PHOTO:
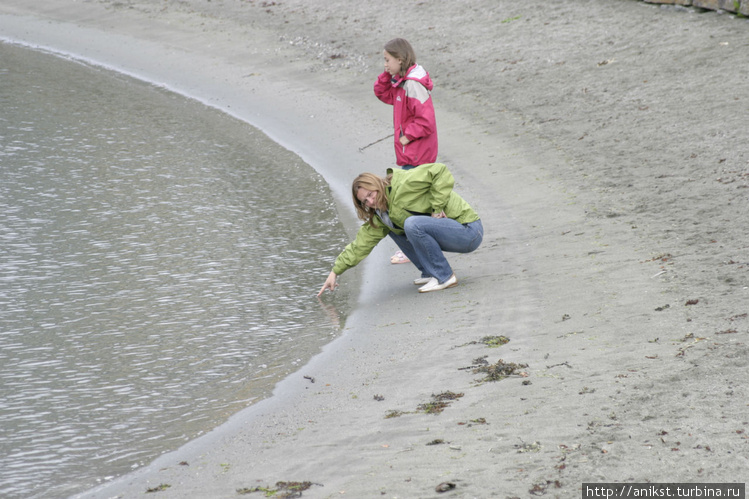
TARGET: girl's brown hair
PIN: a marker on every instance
(370, 182)
(403, 51)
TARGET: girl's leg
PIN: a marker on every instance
(429, 237)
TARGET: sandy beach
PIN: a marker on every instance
(604, 146)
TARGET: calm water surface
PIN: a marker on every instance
(158, 268)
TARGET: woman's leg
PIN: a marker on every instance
(408, 250)
(401, 256)
(430, 237)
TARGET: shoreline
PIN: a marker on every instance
(589, 263)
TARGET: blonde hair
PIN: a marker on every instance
(370, 182)
(403, 51)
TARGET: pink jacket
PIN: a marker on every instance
(413, 114)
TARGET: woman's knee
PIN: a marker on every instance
(411, 224)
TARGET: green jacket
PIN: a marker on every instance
(423, 190)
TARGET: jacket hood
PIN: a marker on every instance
(417, 73)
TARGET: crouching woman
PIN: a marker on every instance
(420, 211)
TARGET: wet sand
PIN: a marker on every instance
(603, 145)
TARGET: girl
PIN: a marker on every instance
(420, 211)
(407, 87)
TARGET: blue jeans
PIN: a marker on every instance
(427, 238)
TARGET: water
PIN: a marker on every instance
(158, 266)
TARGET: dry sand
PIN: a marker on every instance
(604, 146)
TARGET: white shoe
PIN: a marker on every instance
(422, 280)
(434, 285)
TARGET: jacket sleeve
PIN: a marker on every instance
(432, 184)
(383, 88)
(420, 106)
(356, 251)
(442, 185)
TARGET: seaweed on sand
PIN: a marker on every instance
(439, 402)
(283, 490)
(436, 406)
(500, 370)
(490, 341)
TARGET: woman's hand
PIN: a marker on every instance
(439, 215)
(330, 283)
(404, 140)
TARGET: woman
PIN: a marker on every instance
(420, 211)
